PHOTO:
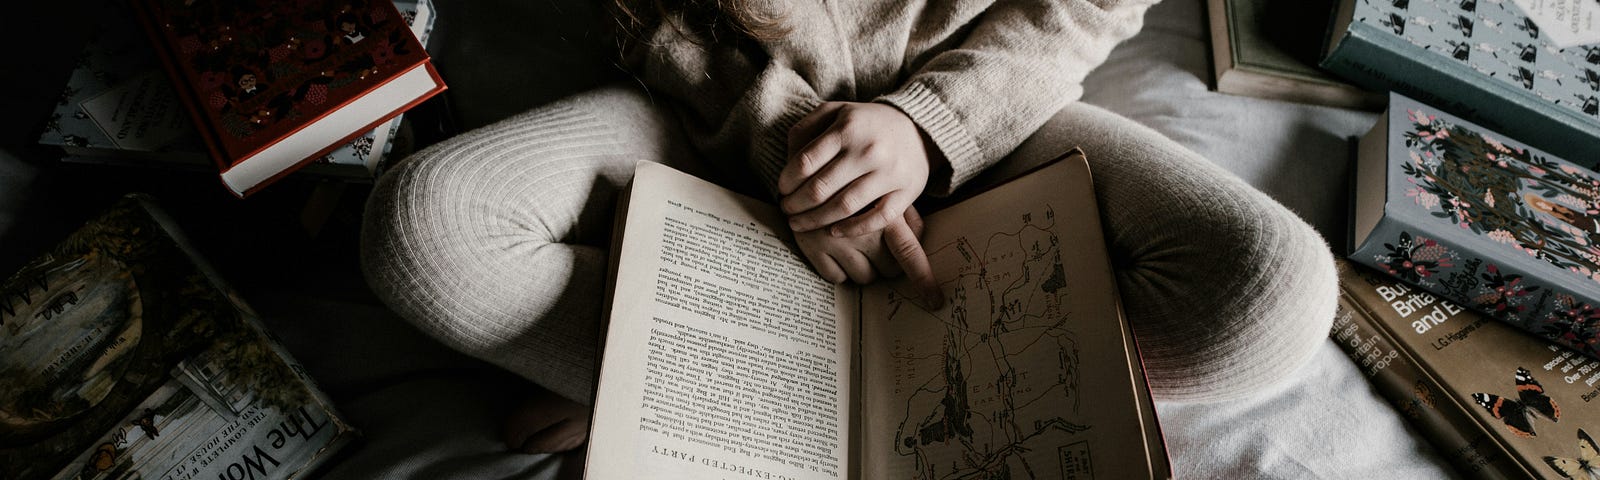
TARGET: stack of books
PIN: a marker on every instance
(290, 94)
(1474, 278)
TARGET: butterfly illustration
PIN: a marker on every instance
(1585, 467)
(1518, 414)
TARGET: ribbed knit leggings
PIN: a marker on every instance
(495, 242)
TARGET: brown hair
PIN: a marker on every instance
(718, 20)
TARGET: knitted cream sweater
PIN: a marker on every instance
(978, 76)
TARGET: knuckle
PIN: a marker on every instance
(808, 160)
(851, 202)
(904, 248)
(885, 216)
(818, 190)
(848, 120)
(870, 151)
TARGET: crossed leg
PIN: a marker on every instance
(495, 242)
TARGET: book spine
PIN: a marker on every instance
(1400, 378)
(169, 63)
(1422, 257)
(1378, 60)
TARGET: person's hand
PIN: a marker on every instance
(886, 253)
(845, 157)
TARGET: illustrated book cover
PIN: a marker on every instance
(726, 356)
(272, 86)
(1482, 220)
(1494, 401)
(123, 355)
(1270, 49)
(118, 107)
(1485, 61)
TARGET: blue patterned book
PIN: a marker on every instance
(1482, 60)
(1481, 219)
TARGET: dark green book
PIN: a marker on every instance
(1483, 61)
(1269, 50)
(122, 355)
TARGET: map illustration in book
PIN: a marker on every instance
(123, 356)
(1483, 220)
(726, 355)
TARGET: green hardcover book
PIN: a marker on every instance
(122, 355)
(1483, 61)
(1261, 49)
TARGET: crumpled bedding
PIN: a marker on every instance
(430, 413)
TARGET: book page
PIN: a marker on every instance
(1025, 372)
(726, 356)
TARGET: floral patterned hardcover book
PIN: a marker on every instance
(118, 108)
(1482, 220)
(123, 355)
(272, 86)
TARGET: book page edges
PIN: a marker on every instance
(612, 264)
(1371, 190)
(1339, 26)
(1156, 451)
(315, 139)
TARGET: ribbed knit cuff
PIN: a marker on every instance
(936, 119)
(769, 152)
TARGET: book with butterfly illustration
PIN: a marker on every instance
(124, 356)
(1494, 401)
(1481, 219)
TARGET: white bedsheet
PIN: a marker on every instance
(1327, 422)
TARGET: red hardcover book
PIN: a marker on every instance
(273, 85)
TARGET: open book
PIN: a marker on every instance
(727, 357)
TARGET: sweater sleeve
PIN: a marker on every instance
(1023, 61)
(735, 102)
